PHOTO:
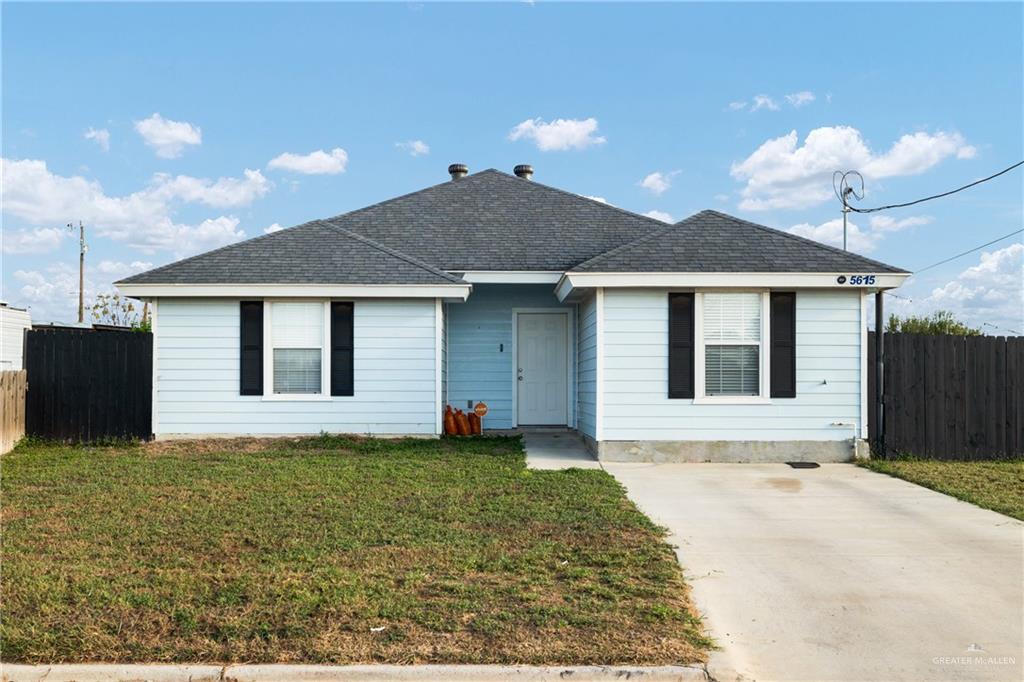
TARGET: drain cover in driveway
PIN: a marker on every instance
(803, 465)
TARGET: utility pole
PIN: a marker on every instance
(846, 212)
(82, 248)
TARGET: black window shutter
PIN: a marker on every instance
(341, 349)
(251, 335)
(783, 344)
(680, 345)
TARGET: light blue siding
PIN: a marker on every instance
(480, 361)
(198, 363)
(586, 380)
(828, 373)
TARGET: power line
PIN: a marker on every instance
(935, 196)
(976, 248)
(1005, 329)
(902, 298)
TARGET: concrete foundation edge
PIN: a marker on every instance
(727, 451)
(346, 673)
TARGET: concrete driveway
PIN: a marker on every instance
(839, 573)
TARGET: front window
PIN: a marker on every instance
(732, 344)
(296, 339)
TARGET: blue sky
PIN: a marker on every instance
(172, 129)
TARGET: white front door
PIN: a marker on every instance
(541, 345)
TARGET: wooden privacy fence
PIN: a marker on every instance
(89, 385)
(950, 397)
(12, 408)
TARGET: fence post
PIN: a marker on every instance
(879, 367)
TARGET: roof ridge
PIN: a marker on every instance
(160, 268)
(392, 252)
(790, 235)
(596, 260)
(559, 190)
(495, 171)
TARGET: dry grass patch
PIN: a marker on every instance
(331, 550)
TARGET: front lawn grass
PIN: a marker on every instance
(330, 550)
(997, 485)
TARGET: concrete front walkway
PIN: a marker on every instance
(839, 573)
(556, 449)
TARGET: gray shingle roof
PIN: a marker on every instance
(313, 253)
(494, 221)
(710, 241)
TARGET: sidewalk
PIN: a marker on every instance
(343, 673)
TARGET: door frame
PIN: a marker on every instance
(570, 366)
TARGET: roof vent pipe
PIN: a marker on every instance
(458, 170)
(524, 171)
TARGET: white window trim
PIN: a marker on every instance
(764, 364)
(268, 356)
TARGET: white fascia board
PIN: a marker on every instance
(563, 288)
(511, 276)
(730, 280)
(459, 292)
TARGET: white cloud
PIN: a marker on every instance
(168, 137)
(222, 193)
(186, 240)
(559, 135)
(414, 147)
(831, 233)
(783, 174)
(52, 293)
(798, 99)
(967, 152)
(118, 270)
(39, 240)
(884, 223)
(758, 102)
(657, 182)
(858, 240)
(143, 219)
(601, 199)
(276, 227)
(314, 163)
(660, 215)
(722, 197)
(991, 291)
(100, 137)
(764, 102)
(916, 153)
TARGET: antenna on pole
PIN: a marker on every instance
(844, 189)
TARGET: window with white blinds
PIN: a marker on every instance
(297, 340)
(732, 344)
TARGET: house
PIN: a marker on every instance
(714, 338)
(13, 323)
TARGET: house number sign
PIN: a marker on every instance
(856, 280)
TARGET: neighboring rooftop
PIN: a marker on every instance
(710, 241)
